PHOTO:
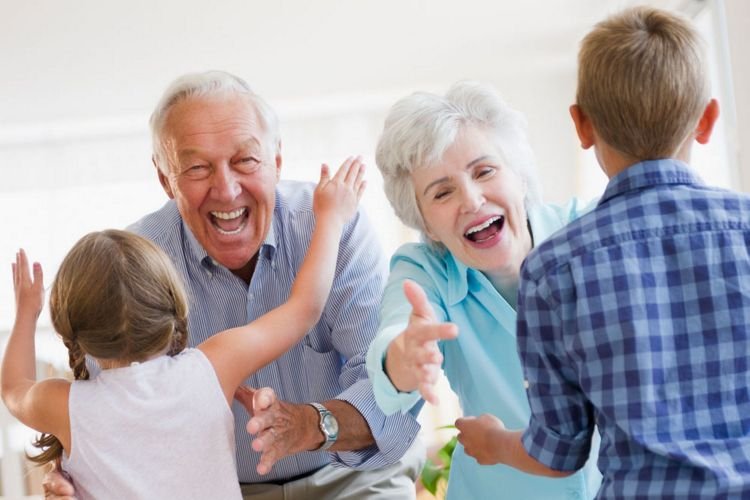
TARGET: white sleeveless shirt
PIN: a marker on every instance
(154, 430)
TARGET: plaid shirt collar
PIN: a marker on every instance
(649, 173)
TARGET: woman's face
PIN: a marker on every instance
(474, 205)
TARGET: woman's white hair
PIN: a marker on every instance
(208, 84)
(421, 127)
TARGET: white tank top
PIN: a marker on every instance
(154, 430)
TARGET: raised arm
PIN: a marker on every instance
(40, 405)
(240, 351)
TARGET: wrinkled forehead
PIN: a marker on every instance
(194, 116)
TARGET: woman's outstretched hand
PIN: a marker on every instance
(414, 360)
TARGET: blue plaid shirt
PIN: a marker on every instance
(636, 318)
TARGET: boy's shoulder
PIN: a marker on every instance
(564, 244)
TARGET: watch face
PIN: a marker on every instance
(331, 425)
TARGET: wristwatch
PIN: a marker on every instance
(328, 424)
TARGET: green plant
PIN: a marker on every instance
(435, 473)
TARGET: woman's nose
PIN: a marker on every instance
(472, 199)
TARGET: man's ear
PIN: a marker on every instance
(584, 129)
(707, 122)
(278, 161)
(163, 179)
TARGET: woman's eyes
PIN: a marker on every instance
(484, 172)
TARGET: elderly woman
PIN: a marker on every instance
(460, 170)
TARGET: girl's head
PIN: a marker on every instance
(117, 297)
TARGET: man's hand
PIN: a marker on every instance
(282, 428)
(57, 486)
(481, 437)
(414, 360)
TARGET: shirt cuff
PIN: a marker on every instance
(389, 399)
(393, 434)
(558, 452)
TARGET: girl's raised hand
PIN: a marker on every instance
(338, 196)
(28, 286)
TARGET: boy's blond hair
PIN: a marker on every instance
(642, 82)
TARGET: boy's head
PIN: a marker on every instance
(642, 84)
(117, 297)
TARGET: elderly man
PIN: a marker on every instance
(238, 235)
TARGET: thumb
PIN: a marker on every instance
(418, 299)
(244, 395)
(264, 398)
(325, 174)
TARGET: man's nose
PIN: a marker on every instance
(226, 185)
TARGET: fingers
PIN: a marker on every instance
(38, 275)
(325, 174)
(244, 395)
(268, 458)
(429, 394)
(418, 299)
(22, 268)
(343, 172)
(463, 422)
(264, 398)
(264, 416)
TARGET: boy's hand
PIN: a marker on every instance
(338, 196)
(481, 437)
(29, 291)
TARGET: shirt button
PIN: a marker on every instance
(252, 296)
(526, 384)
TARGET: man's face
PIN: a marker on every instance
(222, 173)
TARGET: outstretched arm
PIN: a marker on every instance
(240, 351)
(40, 405)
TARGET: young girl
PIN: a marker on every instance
(118, 299)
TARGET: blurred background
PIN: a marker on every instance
(80, 78)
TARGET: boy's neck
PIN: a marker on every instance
(612, 162)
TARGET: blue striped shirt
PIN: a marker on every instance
(329, 363)
(636, 318)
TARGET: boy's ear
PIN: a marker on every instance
(584, 129)
(707, 122)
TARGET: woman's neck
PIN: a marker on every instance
(506, 285)
(506, 280)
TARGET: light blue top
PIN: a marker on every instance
(482, 364)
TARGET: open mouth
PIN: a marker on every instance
(486, 230)
(229, 223)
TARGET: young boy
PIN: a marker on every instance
(636, 317)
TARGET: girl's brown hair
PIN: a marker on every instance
(117, 297)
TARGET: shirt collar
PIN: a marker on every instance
(649, 173)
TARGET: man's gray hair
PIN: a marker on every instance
(209, 84)
(421, 127)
